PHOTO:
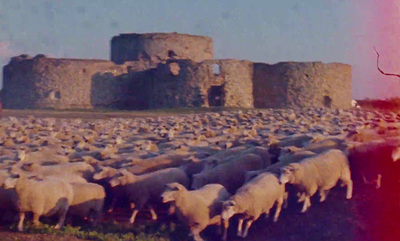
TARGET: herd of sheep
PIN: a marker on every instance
(204, 168)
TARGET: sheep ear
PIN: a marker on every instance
(10, 183)
(289, 149)
(175, 186)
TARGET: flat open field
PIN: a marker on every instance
(372, 214)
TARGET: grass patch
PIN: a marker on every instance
(114, 231)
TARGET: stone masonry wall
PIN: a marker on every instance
(156, 47)
(65, 83)
(302, 85)
(185, 83)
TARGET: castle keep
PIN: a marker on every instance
(170, 70)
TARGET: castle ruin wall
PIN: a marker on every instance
(186, 83)
(65, 83)
(157, 47)
(302, 85)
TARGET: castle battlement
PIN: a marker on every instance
(170, 70)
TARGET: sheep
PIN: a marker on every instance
(299, 141)
(194, 165)
(77, 168)
(222, 157)
(325, 145)
(375, 162)
(157, 163)
(355, 104)
(253, 199)
(42, 197)
(7, 197)
(285, 158)
(196, 209)
(30, 169)
(103, 177)
(320, 172)
(88, 199)
(146, 188)
(231, 174)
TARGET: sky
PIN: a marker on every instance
(342, 31)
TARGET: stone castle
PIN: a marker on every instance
(170, 70)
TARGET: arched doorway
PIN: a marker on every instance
(216, 95)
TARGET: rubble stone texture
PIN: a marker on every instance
(170, 70)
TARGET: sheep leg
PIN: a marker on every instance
(349, 193)
(133, 217)
(301, 197)
(21, 221)
(323, 194)
(62, 219)
(266, 215)
(171, 209)
(246, 229)
(378, 181)
(306, 204)
(196, 235)
(285, 200)
(36, 221)
(113, 201)
(96, 215)
(278, 209)
(153, 213)
(346, 178)
(239, 228)
(365, 180)
(225, 235)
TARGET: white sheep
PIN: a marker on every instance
(253, 199)
(196, 209)
(231, 174)
(143, 189)
(354, 104)
(88, 200)
(68, 177)
(77, 168)
(320, 172)
(288, 155)
(42, 197)
(324, 145)
(158, 163)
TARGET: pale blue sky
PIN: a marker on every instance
(258, 30)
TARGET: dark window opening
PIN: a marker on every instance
(55, 95)
(216, 70)
(171, 54)
(327, 101)
(216, 96)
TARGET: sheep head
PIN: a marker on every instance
(228, 209)
(288, 173)
(105, 172)
(12, 180)
(171, 192)
(124, 178)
